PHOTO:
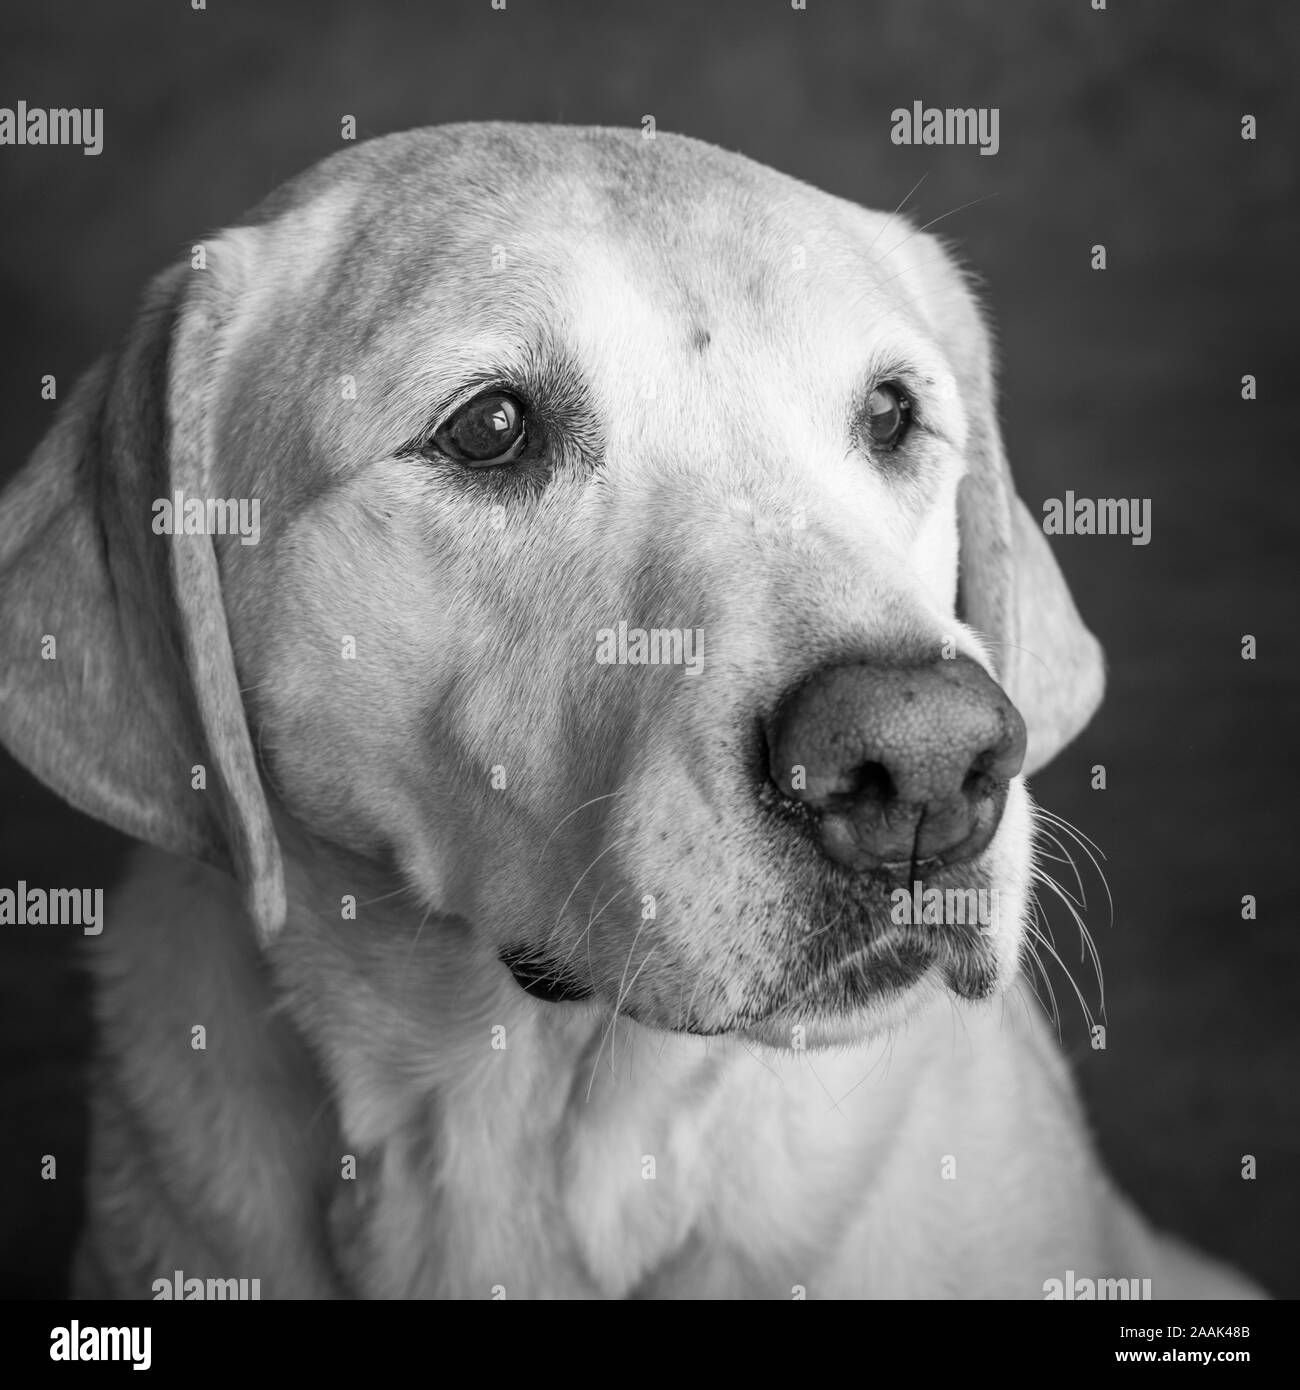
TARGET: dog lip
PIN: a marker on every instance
(842, 985)
(909, 867)
(871, 973)
(542, 977)
(894, 963)
(918, 945)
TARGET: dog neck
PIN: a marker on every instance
(498, 1146)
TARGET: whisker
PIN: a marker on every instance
(605, 797)
(1018, 990)
(592, 918)
(618, 1004)
(614, 844)
(1069, 975)
(835, 1105)
(690, 1003)
(1088, 847)
(894, 214)
(1054, 1013)
(1086, 935)
(415, 940)
(384, 897)
(952, 212)
(1041, 830)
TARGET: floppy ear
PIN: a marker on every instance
(116, 671)
(1010, 587)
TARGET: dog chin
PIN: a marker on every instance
(870, 992)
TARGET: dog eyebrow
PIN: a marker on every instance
(540, 371)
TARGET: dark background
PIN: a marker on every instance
(1120, 127)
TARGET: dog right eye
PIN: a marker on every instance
(889, 414)
(488, 431)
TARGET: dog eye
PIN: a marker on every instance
(488, 431)
(889, 413)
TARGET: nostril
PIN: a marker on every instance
(981, 781)
(894, 759)
(868, 782)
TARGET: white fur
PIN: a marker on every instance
(477, 782)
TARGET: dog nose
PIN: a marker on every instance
(901, 765)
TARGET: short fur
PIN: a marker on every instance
(700, 327)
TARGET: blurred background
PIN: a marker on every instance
(1119, 127)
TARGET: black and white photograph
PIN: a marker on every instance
(647, 653)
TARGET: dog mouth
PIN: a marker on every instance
(887, 937)
(890, 939)
(962, 957)
(869, 975)
(543, 977)
(896, 923)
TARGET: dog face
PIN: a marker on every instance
(619, 499)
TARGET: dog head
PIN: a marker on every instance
(637, 572)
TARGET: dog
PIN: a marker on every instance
(560, 802)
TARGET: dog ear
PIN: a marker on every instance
(1010, 588)
(118, 678)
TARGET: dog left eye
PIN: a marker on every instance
(488, 431)
(889, 413)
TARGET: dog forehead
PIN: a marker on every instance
(421, 260)
(549, 218)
